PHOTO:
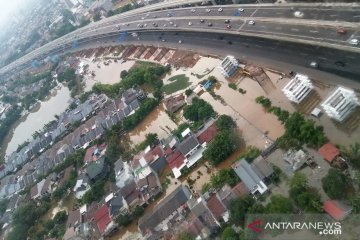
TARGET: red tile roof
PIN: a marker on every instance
(176, 159)
(215, 206)
(332, 208)
(240, 189)
(168, 151)
(150, 156)
(208, 134)
(329, 152)
(102, 218)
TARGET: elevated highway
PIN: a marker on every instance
(316, 26)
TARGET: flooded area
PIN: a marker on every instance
(108, 73)
(156, 122)
(35, 121)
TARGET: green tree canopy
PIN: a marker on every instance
(225, 122)
(279, 204)
(352, 153)
(199, 110)
(222, 146)
(238, 208)
(224, 176)
(229, 234)
(335, 184)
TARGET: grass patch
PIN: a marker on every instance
(178, 82)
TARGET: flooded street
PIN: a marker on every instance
(106, 74)
(35, 121)
(156, 122)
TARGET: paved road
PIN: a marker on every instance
(264, 25)
(275, 54)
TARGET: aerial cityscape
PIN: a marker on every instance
(180, 119)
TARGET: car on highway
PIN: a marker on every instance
(171, 23)
(228, 26)
(180, 41)
(145, 25)
(227, 21)
(175, 25)
(314, 64)
(298, 14)
(155, 24)
(210, 24)
(354, 41)
(202, 20)
(341, 31)
(220, 10)
(208, 10)
(190, 23)
(163, 40)
(240, 9)
(251, 22)
(192, 10)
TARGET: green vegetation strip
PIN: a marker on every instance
(178, 82)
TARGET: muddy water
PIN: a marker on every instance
(156, 122)
(35, 121)
(106, 74)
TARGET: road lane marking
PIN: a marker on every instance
(278, 28)
(334, 15)
(313, 31)
(357, 16)
(295, 29)
(304, 54)
(322, 58)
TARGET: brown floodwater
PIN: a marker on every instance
(156, 122)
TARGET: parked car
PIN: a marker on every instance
(208, 10)
(210, 24)
(354, 41)
(190, 23)
(180, 41)
(341, 30)
(240, 9)
(314, 64)
(220, 10)
(251, 22)
(227, 21)
(202, 20)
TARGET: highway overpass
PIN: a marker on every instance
(316, 26)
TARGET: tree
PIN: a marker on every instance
(238, 209)
(123, 220)
(335, 184)
(199, 110)
(97, 17)
(225, 122)
(60, 217)
(188, 92)
(123, 74)
(352, 153)
(224, 176)
(185, 236)
(229, 234)
(138, 211)
(279, 204)
(304, 197)
(3, 204)
(221, 147)
(265, 102)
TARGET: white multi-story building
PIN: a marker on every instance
(341, 103)
(229, 66)
(298, 88)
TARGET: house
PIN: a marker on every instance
(123, 173)
(158, 219)
(341, 103)
(131, 194)
(41, 188)
(329, 152)
(298, 88)
(96, 170)
(296, 159)
(150, 186)
(174, 103)
(207, 134)
(200, 210)
(336, 209)
(251, 177)
(74, 219)
(94, 153)
(154, 157)
(229, 66)
(82, 186)
(217, 208)
(117, 204)
(103, 220)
